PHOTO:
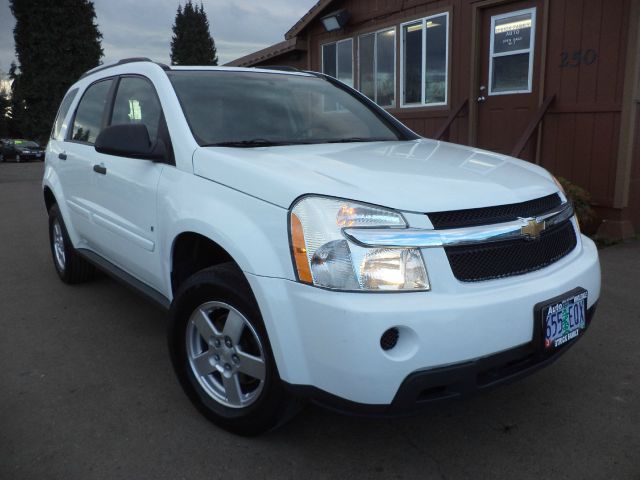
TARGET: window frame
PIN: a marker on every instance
(336, 43)
(73, 93)
(423, 21)
(375, 33)
(531, 50)
(106, 113)
(112, 100)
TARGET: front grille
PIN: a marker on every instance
(488, 215)
(474, 263)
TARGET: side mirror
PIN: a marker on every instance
(129, 140)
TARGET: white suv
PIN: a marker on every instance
(310, 246)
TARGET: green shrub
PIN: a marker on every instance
(581, 202)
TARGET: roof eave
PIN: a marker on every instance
(307, 18)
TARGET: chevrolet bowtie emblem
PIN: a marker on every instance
(532, 229)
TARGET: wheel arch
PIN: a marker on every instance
(191, 252)
(49, 198)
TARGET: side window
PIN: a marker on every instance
(62, 114)
(137, 102)
(88, 120)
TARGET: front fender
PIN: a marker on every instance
(252, 231)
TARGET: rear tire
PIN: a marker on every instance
(221, 353)
(70, 266)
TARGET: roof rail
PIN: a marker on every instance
(284, 68)
(99, 68)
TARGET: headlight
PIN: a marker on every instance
(325, 258)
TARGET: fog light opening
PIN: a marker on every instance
(389, 339)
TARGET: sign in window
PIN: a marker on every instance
(511, 52)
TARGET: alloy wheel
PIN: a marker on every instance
(225, 354)
(58, 245)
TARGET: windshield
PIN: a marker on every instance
(248, 109)
(26, 144)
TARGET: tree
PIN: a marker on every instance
(17, 109)
(5, 103)
(55, 43)
(191, 43)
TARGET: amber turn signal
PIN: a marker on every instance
(300, 250)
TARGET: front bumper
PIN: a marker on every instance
(424, 387)
(330, 341)
(30, 156)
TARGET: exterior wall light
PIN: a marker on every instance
(335, 20)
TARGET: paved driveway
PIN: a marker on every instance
(87, 391)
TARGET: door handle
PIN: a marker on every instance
(62, 156)
(482, 99)
(102, 170)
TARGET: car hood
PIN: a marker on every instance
(418, 175)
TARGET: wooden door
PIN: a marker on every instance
(508, 91)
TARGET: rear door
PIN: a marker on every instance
(124, 198)
(76, 156)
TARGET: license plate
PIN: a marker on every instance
(564, 320)
(38, 155)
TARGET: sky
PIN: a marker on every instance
(142, 28)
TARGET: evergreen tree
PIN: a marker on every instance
(4, 113)
(55, 43)
(191, 43)
(17, 115)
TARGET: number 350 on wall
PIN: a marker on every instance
(578, 57)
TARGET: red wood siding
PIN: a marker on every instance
(581, 131)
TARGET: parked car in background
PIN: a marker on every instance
(20, 150)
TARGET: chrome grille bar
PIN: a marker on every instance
(424, 238)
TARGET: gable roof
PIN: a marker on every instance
(307, 18)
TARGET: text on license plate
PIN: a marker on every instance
(563, 321)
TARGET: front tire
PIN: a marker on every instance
(70, 266)
(221, 353)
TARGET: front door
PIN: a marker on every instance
(124, 199)
(508, 89)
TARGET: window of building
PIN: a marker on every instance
(337, 60)
(511, 53)
(425, 61)
(88, 120)
(377, 66)
(137, 102)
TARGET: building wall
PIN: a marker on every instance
(583, 50)
(581, 131)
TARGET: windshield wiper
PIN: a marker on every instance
(356, 139)
(256, 142)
